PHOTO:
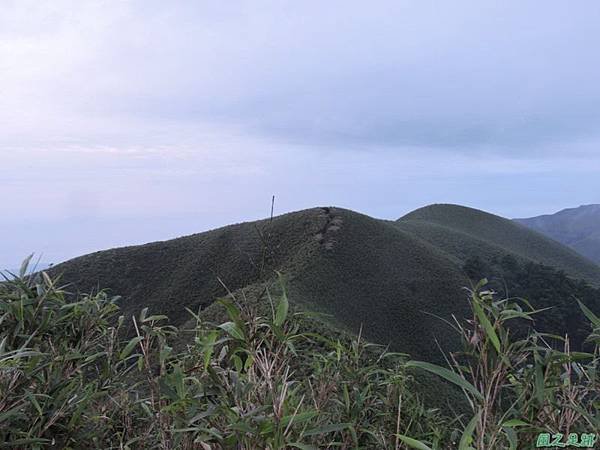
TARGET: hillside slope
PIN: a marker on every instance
(361, 271)
(189, 271)
(383, 279)
(389, 278)
(578, 228)
(465, 232)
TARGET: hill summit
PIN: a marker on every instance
(395, 280)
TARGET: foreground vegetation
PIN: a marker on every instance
(75, 374)
(545, 287)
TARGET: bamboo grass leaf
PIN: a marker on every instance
(488, 327)
(413, 443)
(447, 375)
(467, 437)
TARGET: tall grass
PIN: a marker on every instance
(518, 388)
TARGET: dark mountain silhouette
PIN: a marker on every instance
(578, 228)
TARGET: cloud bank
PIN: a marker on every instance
(191, 114)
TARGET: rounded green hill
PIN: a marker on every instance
(392, 279)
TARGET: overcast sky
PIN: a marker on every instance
(124, 122)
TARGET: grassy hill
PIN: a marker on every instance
(578, 228)
(465, 232)
(189, 271)
(390, 278)
(370, 273)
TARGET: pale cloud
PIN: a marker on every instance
(179, 116)
(466, 75)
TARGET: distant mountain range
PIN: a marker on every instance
(395, 279)
(578, 228)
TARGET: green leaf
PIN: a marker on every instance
(242, 426)
(129, 347)
(35, 403)
(232, 310)
(540, 383)
(178, 381)
(515, 423)
(480, 284)
(164, 353)
(512, 314)
(302, 446)
(233, 330)
(249, 362)
(185, 430)
(155, 318)
(467, 436)
(578, 356)
(22, 443)
(447, 375)
(4, 416)
(513, 440)
(413, 443)
(489, 329)
(237, 362)
(208, 347)
(590, 315)
(299, 418)
(283, 306)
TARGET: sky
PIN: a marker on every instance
(123, 122)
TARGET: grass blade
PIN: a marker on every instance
(413, 443)
(447, 375)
